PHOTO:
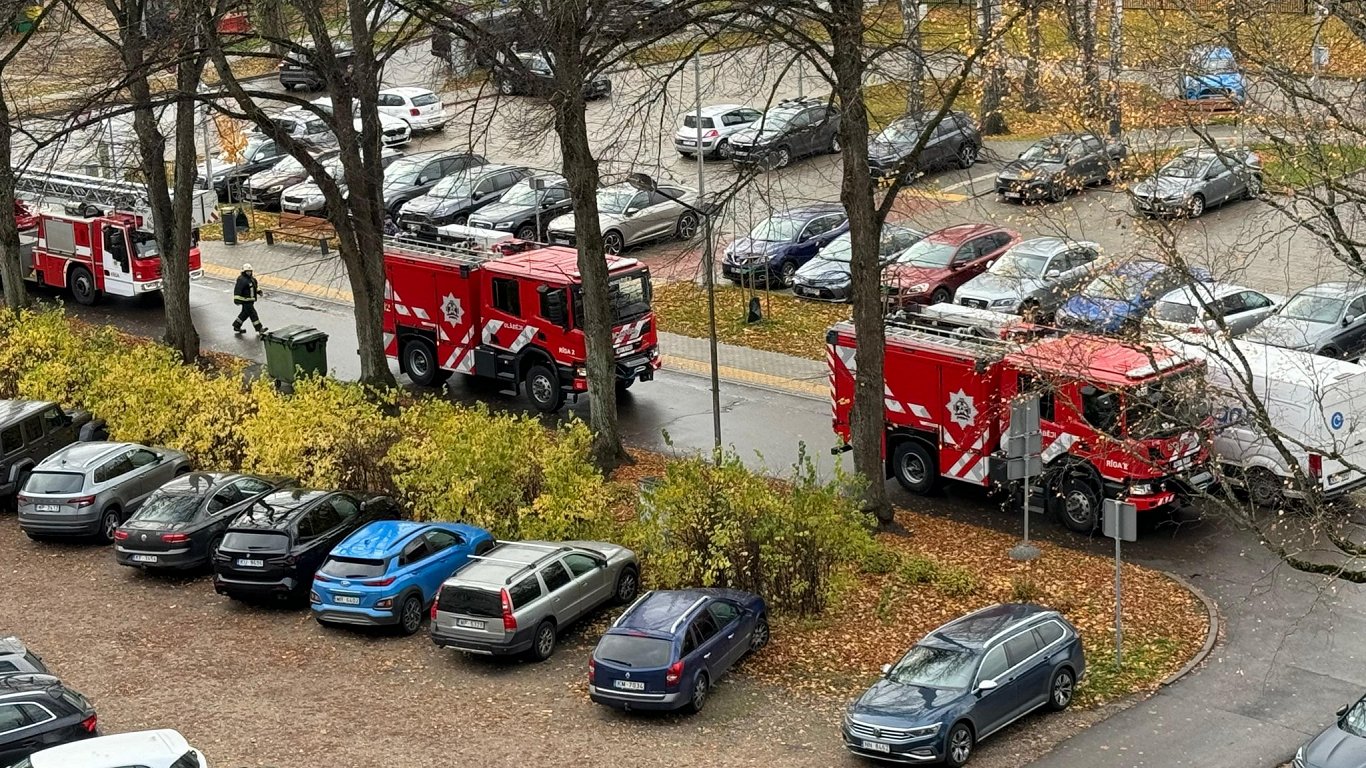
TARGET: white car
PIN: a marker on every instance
(165, 748)
(420, 108)
(394, 132)
(1242, 309)
(718, 123)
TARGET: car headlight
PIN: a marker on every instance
(917, 288)
(275, 188)
(504, 224)
(1006, 303)
(1298, 762)
(581, 372)
(920, 733)
(1142, 489)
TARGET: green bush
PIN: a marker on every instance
(880, 560)
(918, 569)
(956, 582)
(1023, 589)
(719, 524)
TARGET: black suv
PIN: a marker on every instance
(411, 176)
(37, 712)
(32, 430)
(455, 197)
(527, 207)
(277, 543)
(261, 153)
(795, 128)
(533, 75)
(955, 141)
(296, 68)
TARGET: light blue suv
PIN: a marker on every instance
(387, 573)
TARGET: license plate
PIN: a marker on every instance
(47, 507)
(877, 746)
(250, 563)
(469, 623)
(628, 685)
(688, 143)
(345, 600)
(1011, 195)
(144, 558)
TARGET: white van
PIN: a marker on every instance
(1311, 402)
(165, 748)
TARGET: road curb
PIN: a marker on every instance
(282, 284)
(769, 381)
(1211, 634)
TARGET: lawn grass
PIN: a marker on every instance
(260, 222)
(790, 326)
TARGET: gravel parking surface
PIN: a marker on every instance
(256, 686)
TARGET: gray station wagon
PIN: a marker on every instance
(90, 488)
(518, 597)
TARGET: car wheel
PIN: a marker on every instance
(528, 232)
(628, 584)
(82, 286)
(687, 226)
(700, 689)
(410, 615)
(779, 159)
(419, 360)
(612, 242)
(941, 295)
(723, 150)
(1196, 206)
(834, 144)
(1061, 689)
(109, 522)
(1254, 187)
(1264, 488)
(1078, 506)
(1332, 352)
(958, 745)
(543, 647)
(543, 387)
(460, 221)
(914, 467)
(761, 634)
(505, 88)
(967, 155)
(1057, 192)
(787, 273)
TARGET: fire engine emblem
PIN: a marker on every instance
(452, 309)
(961, 409)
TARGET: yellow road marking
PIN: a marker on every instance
(280, 283)
(742, 376)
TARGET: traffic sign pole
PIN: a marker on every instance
(1119, 521)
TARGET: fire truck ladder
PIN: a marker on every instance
(462, 255)
(929, 325)
(57, 188)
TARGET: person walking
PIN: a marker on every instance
(244, 294)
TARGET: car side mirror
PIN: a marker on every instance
(986, 685)
(630, 211)
(1342, 711)
(1052, 273)
(423, 180)
(1348, 320)
(887, 670)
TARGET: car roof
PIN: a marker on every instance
(379, 539)
(26, 682)
(712, 110)
(12, 645)
(1047, 246)
(200, 482)
(80, 456)
(114, 751)
(809, 211)
(1186, 293)
(978, 628)
(475, 170)
(956, 234)
(408, 91)
(514, 558)
(18, 409)
(276, 509)
(1337, 290)
(660, 610)
(1142, 268)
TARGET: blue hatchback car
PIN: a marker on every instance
(1118, 298)
(1213, 73)
(965, 681)
(774, 250)
(387, 573)
(670, 647)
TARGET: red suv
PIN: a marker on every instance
(931, 270)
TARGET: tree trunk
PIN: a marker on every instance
(1084, 27)
(912, 14)
(1033, 99)
(856, 193)
(11, 274)
(1112, 105)
(993, 121)
(175, 273)
(272, 20)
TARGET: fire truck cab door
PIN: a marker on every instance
(116, 263)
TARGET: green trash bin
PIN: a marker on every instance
(294, 351)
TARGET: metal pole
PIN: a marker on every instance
(1026, 508)
(208, 152)
(708, 269)
(1116, 50)
(1119, 611)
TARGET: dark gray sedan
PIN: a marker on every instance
(1327, 319)
(1060, 164)
(1198, 179)
(1343, 745)
(827, 276)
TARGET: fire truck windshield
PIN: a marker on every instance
(1167, 407)
(145, 246)
(628, 296)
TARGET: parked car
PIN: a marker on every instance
(306, 128)
(455, 197)
(1198, 179)
(793, 129)
(261, 153)
(38, 712)
(670, 648)
(276, 544)
(1033, 278)
(1326, 319)
(32, 430)
(930, 271)
(773, 250)
(144, 749)
(388, 573)
(527, 207)
(1341, 745)
(1212, 73)
(393, 131)
(955, 141)
(1121, 296)
(17, 657)
(182, 522)
(827, 277)
(1194, 308)
(1057, 165)
(264, 188)
(307, 197)
(719, 123)
(298, 70)
(640, 19)
(420, 108)
(533, 75)
(963, 682)
(413, 175)
(89, 489)
(630, 216)
(519, 596)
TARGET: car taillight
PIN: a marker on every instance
(321, 577)
(509, 622)
(674, 674)
(90, 723)
(592, 669)
(120, 535)
(414, 111)
(435, 600)
(713, 133)
(379, 582)
(83, 501)
(171, 538)
(1316, 466)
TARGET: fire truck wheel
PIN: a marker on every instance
(1078, 506)
(82, 286)
(419, 359)
(914, 467)
(543, 388)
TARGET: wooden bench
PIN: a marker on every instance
(299, 226)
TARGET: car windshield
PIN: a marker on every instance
(425, 99)
(634, 651)
(289, 165)
(902, 132)
(249, 541)
(615, 199)
(403, 172)
(1354, 720)
(1045, 151)
(1175, 312)
(1019, 264)
(1214, 65)
(353, 567)
(779, 229)
(456, 186)
(54, 482)
(776, 119)
(166, 507)
(1313, 309)
(470, 601)
(521, 193)
(1167, 407)
(1186, 166)
(894, 239)
(927, 253)
(935, 667)
(1118, 286)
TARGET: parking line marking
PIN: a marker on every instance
(969, 182)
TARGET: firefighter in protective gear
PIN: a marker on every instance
(244, 294)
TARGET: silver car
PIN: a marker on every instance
(17, 658)
(630, 216)
(518, 597)
(1194, 308)
(1033, 278)
(719, 122)
(1198, 179)
(89, 489)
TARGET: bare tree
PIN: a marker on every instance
(993, 121)
(1031, 97)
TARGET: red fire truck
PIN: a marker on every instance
(94, 236)
(512, 314)
(1116, 420)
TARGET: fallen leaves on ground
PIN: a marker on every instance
(790, 326)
